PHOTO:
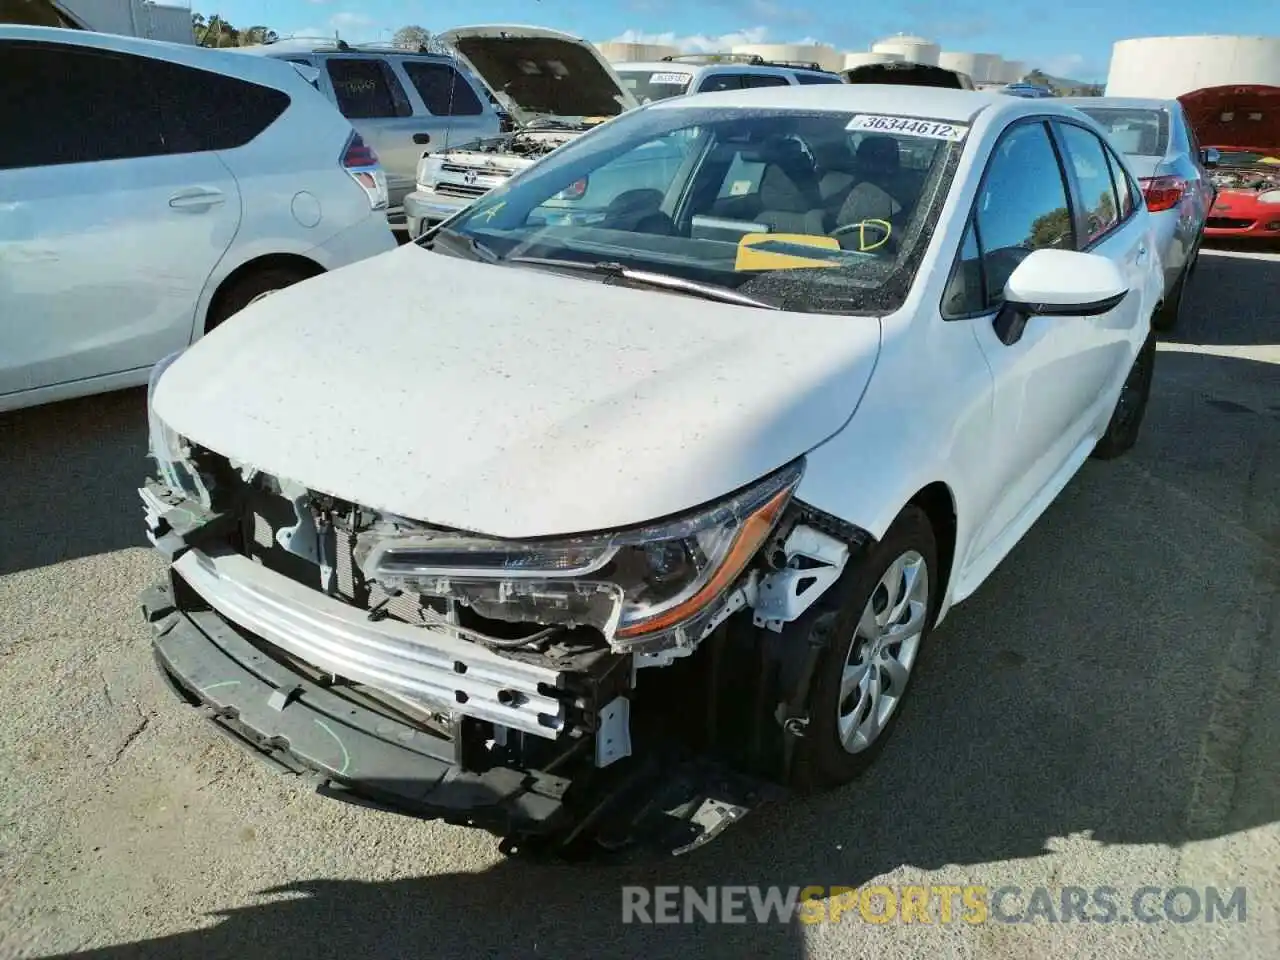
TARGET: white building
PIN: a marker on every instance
(1167, 67)
(911, 49)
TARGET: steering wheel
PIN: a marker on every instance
(881, 231)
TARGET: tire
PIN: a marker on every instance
(244, 290)
(823, 761)
(1166, 318)
(1131, 407)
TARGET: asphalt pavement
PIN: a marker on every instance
(1104, 712)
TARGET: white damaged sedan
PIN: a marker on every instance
(595, 523)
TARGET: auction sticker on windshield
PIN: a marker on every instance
(677, 78)
(912, 126)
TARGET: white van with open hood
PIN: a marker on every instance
(553, 85)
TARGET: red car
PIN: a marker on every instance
(1239, 126)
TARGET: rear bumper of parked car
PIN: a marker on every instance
(424, 209)
(366, 238)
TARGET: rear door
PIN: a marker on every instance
(371, 95)
(453, 104)
(107, 236)
(1106, 224)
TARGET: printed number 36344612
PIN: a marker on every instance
(911, 126)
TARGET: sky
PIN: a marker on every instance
(1068, 39)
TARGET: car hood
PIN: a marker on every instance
(511, 401)
(542, 74)
(1240, 115)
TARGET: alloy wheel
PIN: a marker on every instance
(885, 644)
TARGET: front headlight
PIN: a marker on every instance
(661, 577)
(1271, 196)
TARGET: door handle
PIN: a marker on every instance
(421, 138)
(197, 199)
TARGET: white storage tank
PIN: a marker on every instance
(134, 18)
(820, 53)
(913, 49)
(979, 66)
(616, 51)
(1168, 67)
(852, 60)
(1012, 71)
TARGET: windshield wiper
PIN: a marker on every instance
(460, 241)
(662, 281)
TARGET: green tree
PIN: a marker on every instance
(1050, 230)
(214, 31)
(413, 38)
(252, 36)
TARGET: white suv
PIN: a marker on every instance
(150, 190)
(552, 85)
(686, 74)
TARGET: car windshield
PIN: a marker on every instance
(1139, 132)
(819, 212)
(650, 85)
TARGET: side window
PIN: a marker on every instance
(209, 111)
(445, 92)
(74, 106)
(1124, 188)
(1022, 206)
(1100, 210)
(964, 294)
(764, 80)
(720, 81)
(364, 89)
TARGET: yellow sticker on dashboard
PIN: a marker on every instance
(787, 251)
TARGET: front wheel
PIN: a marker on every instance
(1131, 407)
(877, 626)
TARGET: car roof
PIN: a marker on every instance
(1149, 103)
(206, 58)
(938, 103)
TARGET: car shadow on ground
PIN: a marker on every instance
(1109, 680)
(70, 472)
(1233, 279)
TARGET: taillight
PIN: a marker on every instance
(1162, 193)
(575, 190)
(361, 162)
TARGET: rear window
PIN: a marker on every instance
(444, 91)
(817, 78)
(649, 85)
(1140, 132)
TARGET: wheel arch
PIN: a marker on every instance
(270, 261)
(938, 502)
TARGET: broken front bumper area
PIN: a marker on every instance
(357, 750)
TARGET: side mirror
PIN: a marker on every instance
(1210, 157)
(1058, 283)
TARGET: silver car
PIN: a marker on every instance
(402, 102)
(1161, 148)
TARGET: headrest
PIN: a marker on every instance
(779, 150)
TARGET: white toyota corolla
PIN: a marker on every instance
(597, 522)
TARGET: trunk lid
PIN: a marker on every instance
(542, 75)
(511, 401)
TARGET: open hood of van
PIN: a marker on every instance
(542, 75)
(1239, 115)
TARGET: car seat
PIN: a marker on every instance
(788, 199)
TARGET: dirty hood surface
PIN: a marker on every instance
(542, 74)
(511, 401)
(1239, 115)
